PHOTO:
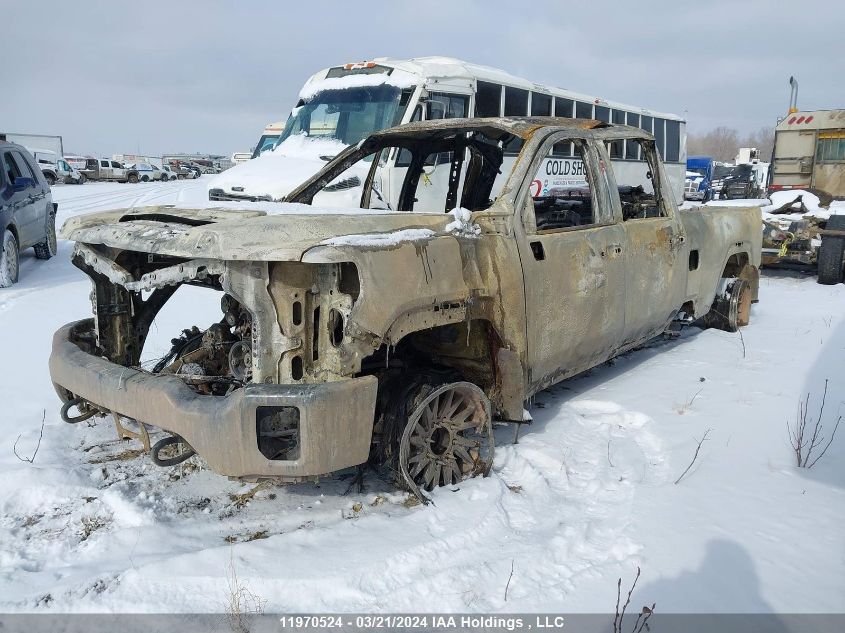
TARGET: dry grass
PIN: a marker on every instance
(90, 525)
(241, 604)
(122, 456)
(240, 500)
(411, 501)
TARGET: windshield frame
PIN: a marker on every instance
(425, 139)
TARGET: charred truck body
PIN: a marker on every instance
(389, 332)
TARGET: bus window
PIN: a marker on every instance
(632, 150)
(562, 149)
(516, 104)
(602, 113)
(583, 110)
(446, 106)
(488, 100)
(563, 107)
(617, 147)
(441, 105)
(541, 105)
(673, 141)
(660, 137)
(516, 101)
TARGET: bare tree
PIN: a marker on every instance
(723, 143)
(643, 616)
(37, 446)
(764, 140)
(694, 457)
(802, 445)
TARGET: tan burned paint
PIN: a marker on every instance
(523, 323)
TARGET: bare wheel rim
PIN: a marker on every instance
(448, 438)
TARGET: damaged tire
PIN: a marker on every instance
(448, 436)
(9, 260)
(832, 253)
(731, 310)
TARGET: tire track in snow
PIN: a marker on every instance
(555, 505)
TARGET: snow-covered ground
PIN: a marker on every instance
(586, 496)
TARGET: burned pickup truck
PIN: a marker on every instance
(391, 330)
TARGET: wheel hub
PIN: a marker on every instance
(448, 437)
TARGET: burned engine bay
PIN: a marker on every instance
(129, 291)
(217, 360)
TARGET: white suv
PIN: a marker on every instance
(167, 173)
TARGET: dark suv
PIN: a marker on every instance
(27, 211)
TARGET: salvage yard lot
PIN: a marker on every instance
(586, 496)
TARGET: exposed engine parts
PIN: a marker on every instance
(217, 360)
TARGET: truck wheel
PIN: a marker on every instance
(731, 310)
(145, 178)
(81, 180)
(448, 436)
(51, 179)
(47, 247)
(9, 260)
(832, 253)
(133, 178)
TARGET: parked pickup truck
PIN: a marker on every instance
(391, 330)
(105, 169)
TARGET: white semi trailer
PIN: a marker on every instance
(41, 141)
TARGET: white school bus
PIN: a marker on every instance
(341, 105)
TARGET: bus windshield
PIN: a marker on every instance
(348, 115)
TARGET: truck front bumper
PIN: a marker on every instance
(335, 418)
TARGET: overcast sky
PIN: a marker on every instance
(185, 76)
